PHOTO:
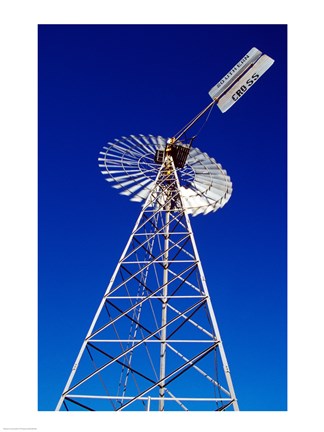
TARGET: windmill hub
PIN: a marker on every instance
(178, 151)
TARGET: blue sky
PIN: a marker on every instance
(97, 83)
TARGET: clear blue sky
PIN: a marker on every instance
(97, 83)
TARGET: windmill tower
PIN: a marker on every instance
(154, 342)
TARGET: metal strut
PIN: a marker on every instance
(168, 169)
(193, 121)
(178, 151)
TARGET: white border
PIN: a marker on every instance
(19, 20)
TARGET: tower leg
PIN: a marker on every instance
(212, 313)
(164, 306)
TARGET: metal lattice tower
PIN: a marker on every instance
(154, 343)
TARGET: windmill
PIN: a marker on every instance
(154, 343)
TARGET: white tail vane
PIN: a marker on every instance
(240, 79)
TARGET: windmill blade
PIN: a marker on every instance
(130, 163)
